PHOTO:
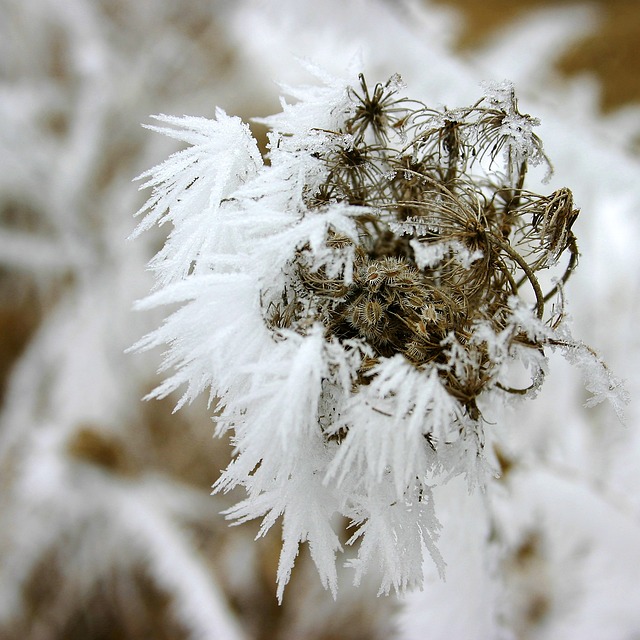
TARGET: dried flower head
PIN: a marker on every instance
(354, 303)
(443, 244)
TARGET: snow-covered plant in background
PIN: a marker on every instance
(354, 300)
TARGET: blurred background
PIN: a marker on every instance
(107, 528)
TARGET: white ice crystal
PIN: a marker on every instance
(519, 143)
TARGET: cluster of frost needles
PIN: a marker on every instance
(353, 302)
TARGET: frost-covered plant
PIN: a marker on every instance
(354, 301)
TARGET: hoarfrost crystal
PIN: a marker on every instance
(350, 302)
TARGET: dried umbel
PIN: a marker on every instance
(356, 303)
(447, 236)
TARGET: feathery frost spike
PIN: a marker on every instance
(352, 304)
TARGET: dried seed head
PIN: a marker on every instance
(554, 221)
(441, 249)
(378, 111)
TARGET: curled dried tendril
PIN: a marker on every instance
(446, 239)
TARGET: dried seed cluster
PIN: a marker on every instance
(446, 238)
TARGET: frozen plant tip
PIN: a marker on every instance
(352, 304)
